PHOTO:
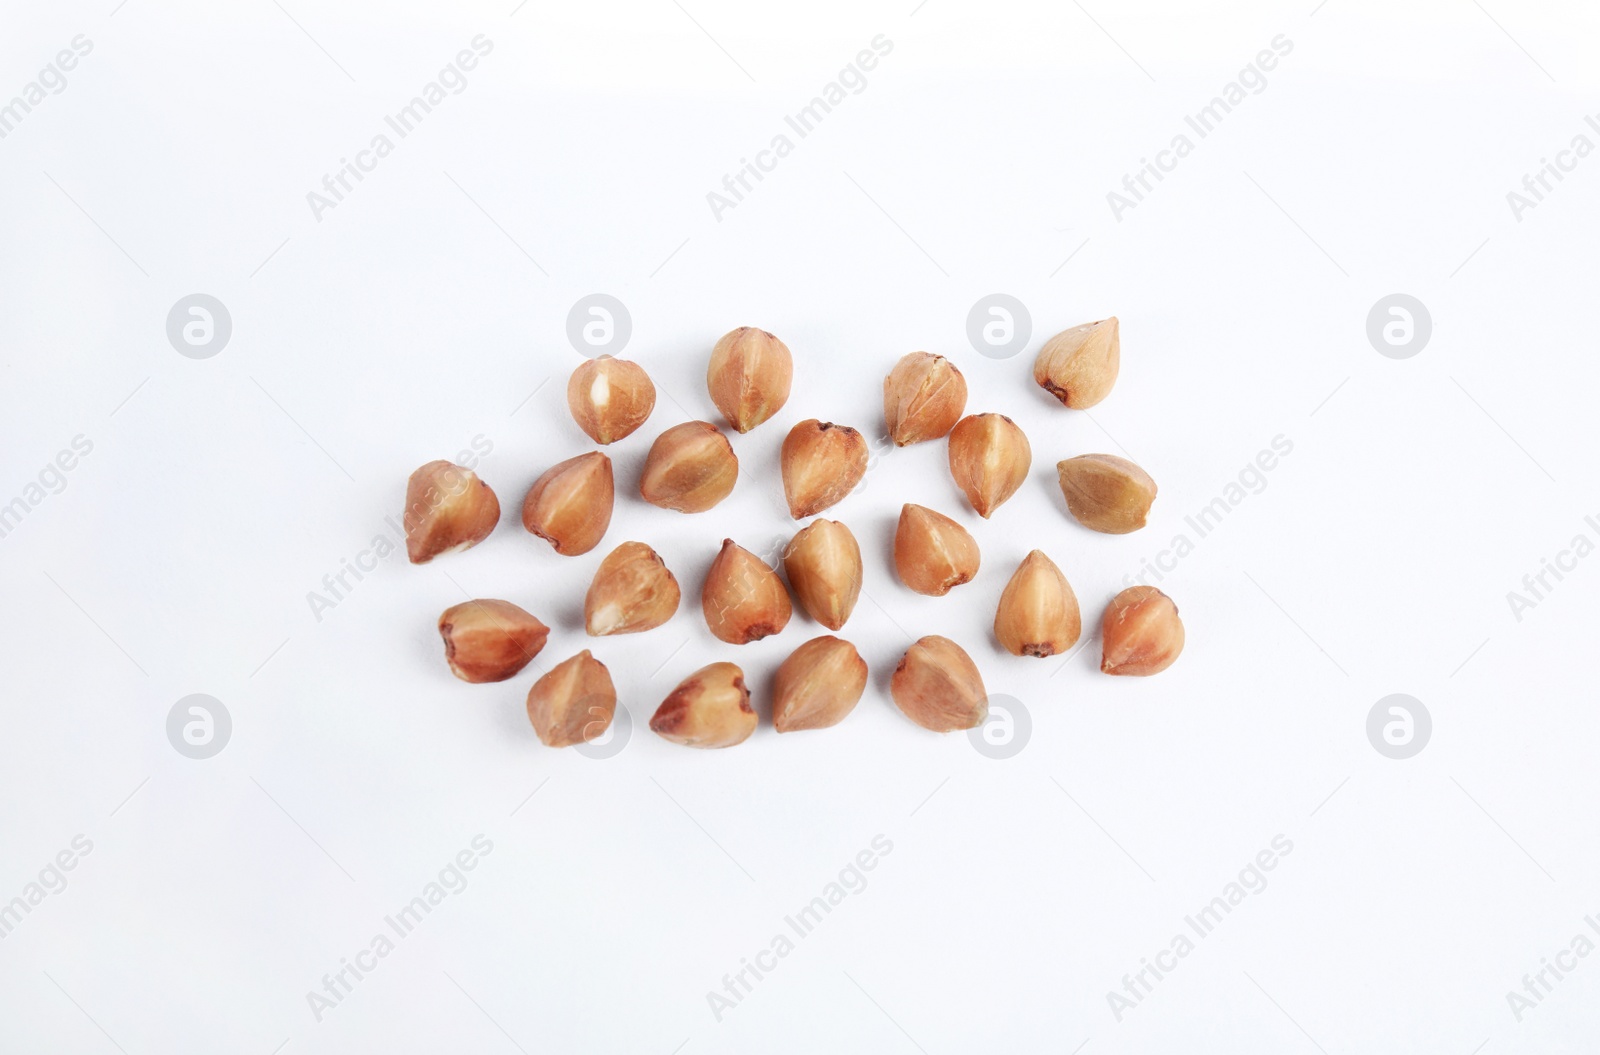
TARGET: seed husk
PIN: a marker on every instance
(932, 553)
(610, 398)
(632, 591)
(749, 376)
(709, 708)
(448, 509)
(1038, 612)
(818, 685)
(823, 562)
(570, 505)
(1079, 366)
(989, 459)
(821, 463)
(690, 468)
(574, 703)
(743, 599)
(1106, 493)
(938, 686)
(489, 640)
(923, 397)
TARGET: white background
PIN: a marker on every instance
(425, 308)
